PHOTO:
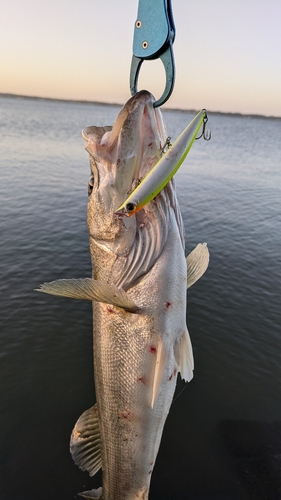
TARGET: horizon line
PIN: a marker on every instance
(101, 103)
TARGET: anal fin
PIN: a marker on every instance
(85, 442)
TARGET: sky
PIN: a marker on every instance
(227, 53)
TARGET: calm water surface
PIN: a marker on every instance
(222, 440)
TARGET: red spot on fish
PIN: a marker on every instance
(142, 379)
(152, 349)
(110, 310)
(118, 161)
(150, 145)
(127, 415)
(173, 374)
(150, 472)
(168, 304)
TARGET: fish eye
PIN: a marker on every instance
(91, 184)
(130, 207)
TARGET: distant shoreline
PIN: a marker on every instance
(98, 103)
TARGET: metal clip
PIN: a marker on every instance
(153, 38)
(167, 145)
(206, 135)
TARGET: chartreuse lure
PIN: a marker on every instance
(164, 169)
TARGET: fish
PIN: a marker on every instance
(138, 291)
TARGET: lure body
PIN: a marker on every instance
(164, 169)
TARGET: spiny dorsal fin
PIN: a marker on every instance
(85, 442)
(197, 262)
(90, 289)
(89, 495)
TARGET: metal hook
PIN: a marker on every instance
(206, 135)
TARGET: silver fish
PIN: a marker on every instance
(138, 288)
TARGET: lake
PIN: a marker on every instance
(222, 439)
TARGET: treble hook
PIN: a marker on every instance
(206, 135)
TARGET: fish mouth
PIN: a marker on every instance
(125, 153)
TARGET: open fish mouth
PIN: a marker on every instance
(124, 154)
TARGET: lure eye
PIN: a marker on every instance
(91, 184)
(130, 207)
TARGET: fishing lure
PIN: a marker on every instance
(165, 168)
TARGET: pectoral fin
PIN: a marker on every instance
(85, 442)
(90, 289)
(197, 262)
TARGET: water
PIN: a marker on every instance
(222, 440)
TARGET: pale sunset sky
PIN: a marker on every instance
(227, 52)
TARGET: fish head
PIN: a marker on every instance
(120, 156)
